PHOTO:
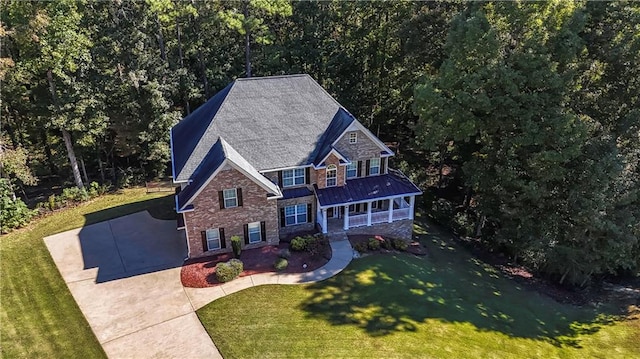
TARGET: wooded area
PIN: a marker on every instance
(521, 119)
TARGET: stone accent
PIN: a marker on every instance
(286, 231)
(321, 174)
(207, 213)
(402, 229)
(363, 149)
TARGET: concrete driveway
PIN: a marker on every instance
(125, 276)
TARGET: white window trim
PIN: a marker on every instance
(254, 224)
(355, 164)
(235, 197)
(217, 231)
(333, 168)
(371, 166)
(353, 137)
(294, 177)
(295, 214)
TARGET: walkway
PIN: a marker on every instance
(125, 276)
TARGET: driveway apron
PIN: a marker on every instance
(125, 276)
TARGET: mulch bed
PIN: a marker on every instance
(414, 247)
(201, 272)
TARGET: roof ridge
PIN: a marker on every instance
(272, 77)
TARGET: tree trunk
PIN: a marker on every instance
(480, 225)
(163, 53)
(84, 170)
(47, 152)
(186, 96)
(247, 38)
(66, 136)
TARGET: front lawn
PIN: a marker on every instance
(447, 304)
(38, 316)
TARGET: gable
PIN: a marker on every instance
(367, 144)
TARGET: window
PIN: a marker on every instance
(230, 198)
(374, 205)
(353, 137)
(332, 175)
(255, 235)
(293, 177)
(352, 170)
(374, 166)
(295, 214)
(213, 239)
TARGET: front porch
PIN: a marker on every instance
(343, 218)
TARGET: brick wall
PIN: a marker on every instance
(399, 229)
(287, 231)
(321, 174)
(207, 213)
(363, 149)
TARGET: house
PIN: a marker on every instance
(268, 157)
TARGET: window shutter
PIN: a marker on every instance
(205, 247)
(383, 165)
(221, 199)
(307, 175)
(359, 169)
(366, 167)
(280, 179)
(239, 191)
(223, 241)
(246, 234)
(263, 231)
(309, 213)
(283, 222)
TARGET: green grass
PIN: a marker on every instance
(38, 316)
(446, 305)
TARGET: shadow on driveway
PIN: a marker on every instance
(131, 245)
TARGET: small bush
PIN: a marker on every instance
(386, 244)
(51, 202)
(236, 245)
(13, 212)
(237, 265)
(360, 247)
(373, 244)
(285, 254)
(298, 244)
(281, 264)
(227, 271)
(400, 245)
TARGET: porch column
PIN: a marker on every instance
(412, 202)
(324, 220)
(390, 210)
(346, 218)
(369, 213)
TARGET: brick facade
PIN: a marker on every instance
(207, 213)
(363, 149)
(321, 174)
(402, 229)
(288, 230)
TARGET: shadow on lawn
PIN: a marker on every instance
(387, 294)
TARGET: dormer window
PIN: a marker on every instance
(353, 137)
(332, 175)
(294, 177)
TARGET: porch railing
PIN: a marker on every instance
(399, 214)
(379, 217)
(357, 220)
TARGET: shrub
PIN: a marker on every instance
(51, 202)
(237, 265)
(360, 247)
(281, 264)
(400, 244)
(13, 213)
(386, 243)
(298, 244)
(373, 244)
(227, 271)
(285, 254)
(236, 245)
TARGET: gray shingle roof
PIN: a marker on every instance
(219, 154)
(272, 122)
